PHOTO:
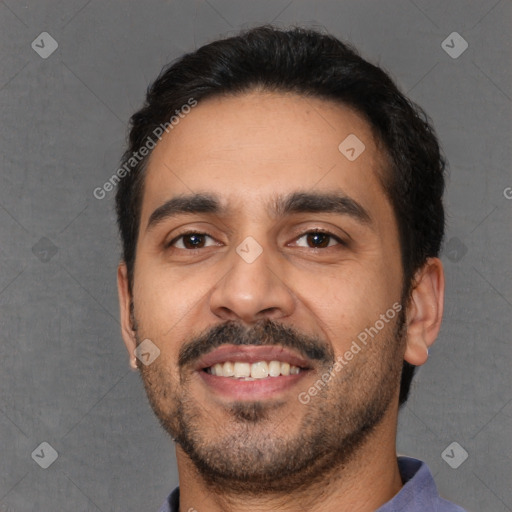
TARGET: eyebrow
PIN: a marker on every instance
(279, 206)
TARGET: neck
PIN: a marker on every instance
(367, 481)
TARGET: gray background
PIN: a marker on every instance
(65, 378)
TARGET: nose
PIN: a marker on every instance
(253, 289)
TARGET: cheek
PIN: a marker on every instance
(163, 299)
(348, 299)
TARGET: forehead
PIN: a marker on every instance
(252, 146)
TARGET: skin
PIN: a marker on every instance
(247, 149)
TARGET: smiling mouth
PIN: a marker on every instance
(243, 370)
(252, 372)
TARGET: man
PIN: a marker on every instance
(280, 208)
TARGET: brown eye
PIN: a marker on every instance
(189, 241)
(320, 239)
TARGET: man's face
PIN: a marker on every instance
(251, 285)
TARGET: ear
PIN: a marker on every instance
(127, 330)
(424, 311)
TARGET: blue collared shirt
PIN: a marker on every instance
(418, 494)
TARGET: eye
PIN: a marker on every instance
(315, 239)
(191, 240)
(320, 239)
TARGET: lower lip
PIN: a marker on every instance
(257, 389)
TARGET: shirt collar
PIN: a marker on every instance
(419, 491)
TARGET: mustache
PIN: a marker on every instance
(263, 332)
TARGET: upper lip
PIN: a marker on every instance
(252, 354)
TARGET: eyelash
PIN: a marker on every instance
(311, 232)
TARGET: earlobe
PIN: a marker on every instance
(125, 299)
(424, 311)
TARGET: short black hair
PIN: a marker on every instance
(312, 64)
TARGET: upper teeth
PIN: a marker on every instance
(258, 370)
